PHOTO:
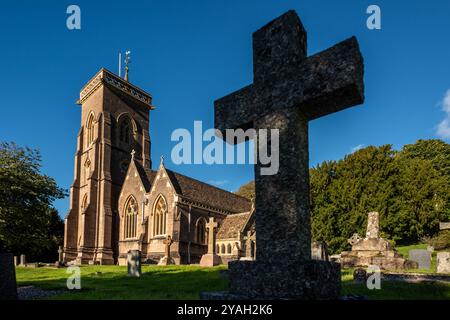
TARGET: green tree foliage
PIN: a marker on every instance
(28, 222)
(247, 190)
(410, 192)
(409, 188)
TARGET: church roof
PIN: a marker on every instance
(205, 193)
(147, 175)
(233, 225)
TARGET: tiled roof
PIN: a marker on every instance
(205, 193)
(232, 225)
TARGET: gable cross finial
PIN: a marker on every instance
(127, 62)
(133, 152)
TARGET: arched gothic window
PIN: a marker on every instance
(217, 248)
(201, 231)
(229, 248)
(125, 132)
(159, 216)
(130, 216)
(222, 248)
(90, 129)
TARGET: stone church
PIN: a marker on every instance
(118, 203)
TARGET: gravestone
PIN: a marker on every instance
(319, 251)
(23, 260)
(250, 241)
(422, 257)
(16, 261)
(443, 262)
(211, 258)
(289, 89)
(8, 286)
(167, 259)
(134, 263)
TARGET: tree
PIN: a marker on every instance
(247, 190)
(28, 222)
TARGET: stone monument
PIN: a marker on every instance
(289, 89)
(443, 262)
(373, 250)
(319, 251)
(211, 258)
(8, 285)
(134, 263)
(23, 260)
(167, 259)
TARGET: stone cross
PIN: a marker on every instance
(248, 245)
(373, 226)
(211, 225)
(289, 89)
(168, 242)
(60, 254)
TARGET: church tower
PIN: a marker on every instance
(115, 119)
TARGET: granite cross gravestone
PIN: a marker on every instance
(211, 258)
(134, 263)
(289, 90)
(422, 257)
(8, 286)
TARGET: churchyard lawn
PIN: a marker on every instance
(185, 282)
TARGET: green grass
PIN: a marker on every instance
(404, 250)
(156, 282)
(186, 282)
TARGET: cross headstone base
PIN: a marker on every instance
(210, 260)
(306, 280)
(165, 261)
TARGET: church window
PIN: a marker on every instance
(130, 216)
(201, 231)
(229, 248)
(217, 249)
(90, 129)
(160, 217)
(222, 248)
(125, 131)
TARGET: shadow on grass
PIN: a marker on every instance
(114, 283)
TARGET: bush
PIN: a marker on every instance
(441, 241)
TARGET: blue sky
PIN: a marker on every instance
(189, 53)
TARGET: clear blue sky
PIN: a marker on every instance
(189, 53)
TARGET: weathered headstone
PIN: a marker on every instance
(167, 259)
(443, 262)
(16, 261)
(211, 258)
(23, 260)
(319, 251)
(8, 286)
(134, 263)
(422, 257)
(289, 89)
